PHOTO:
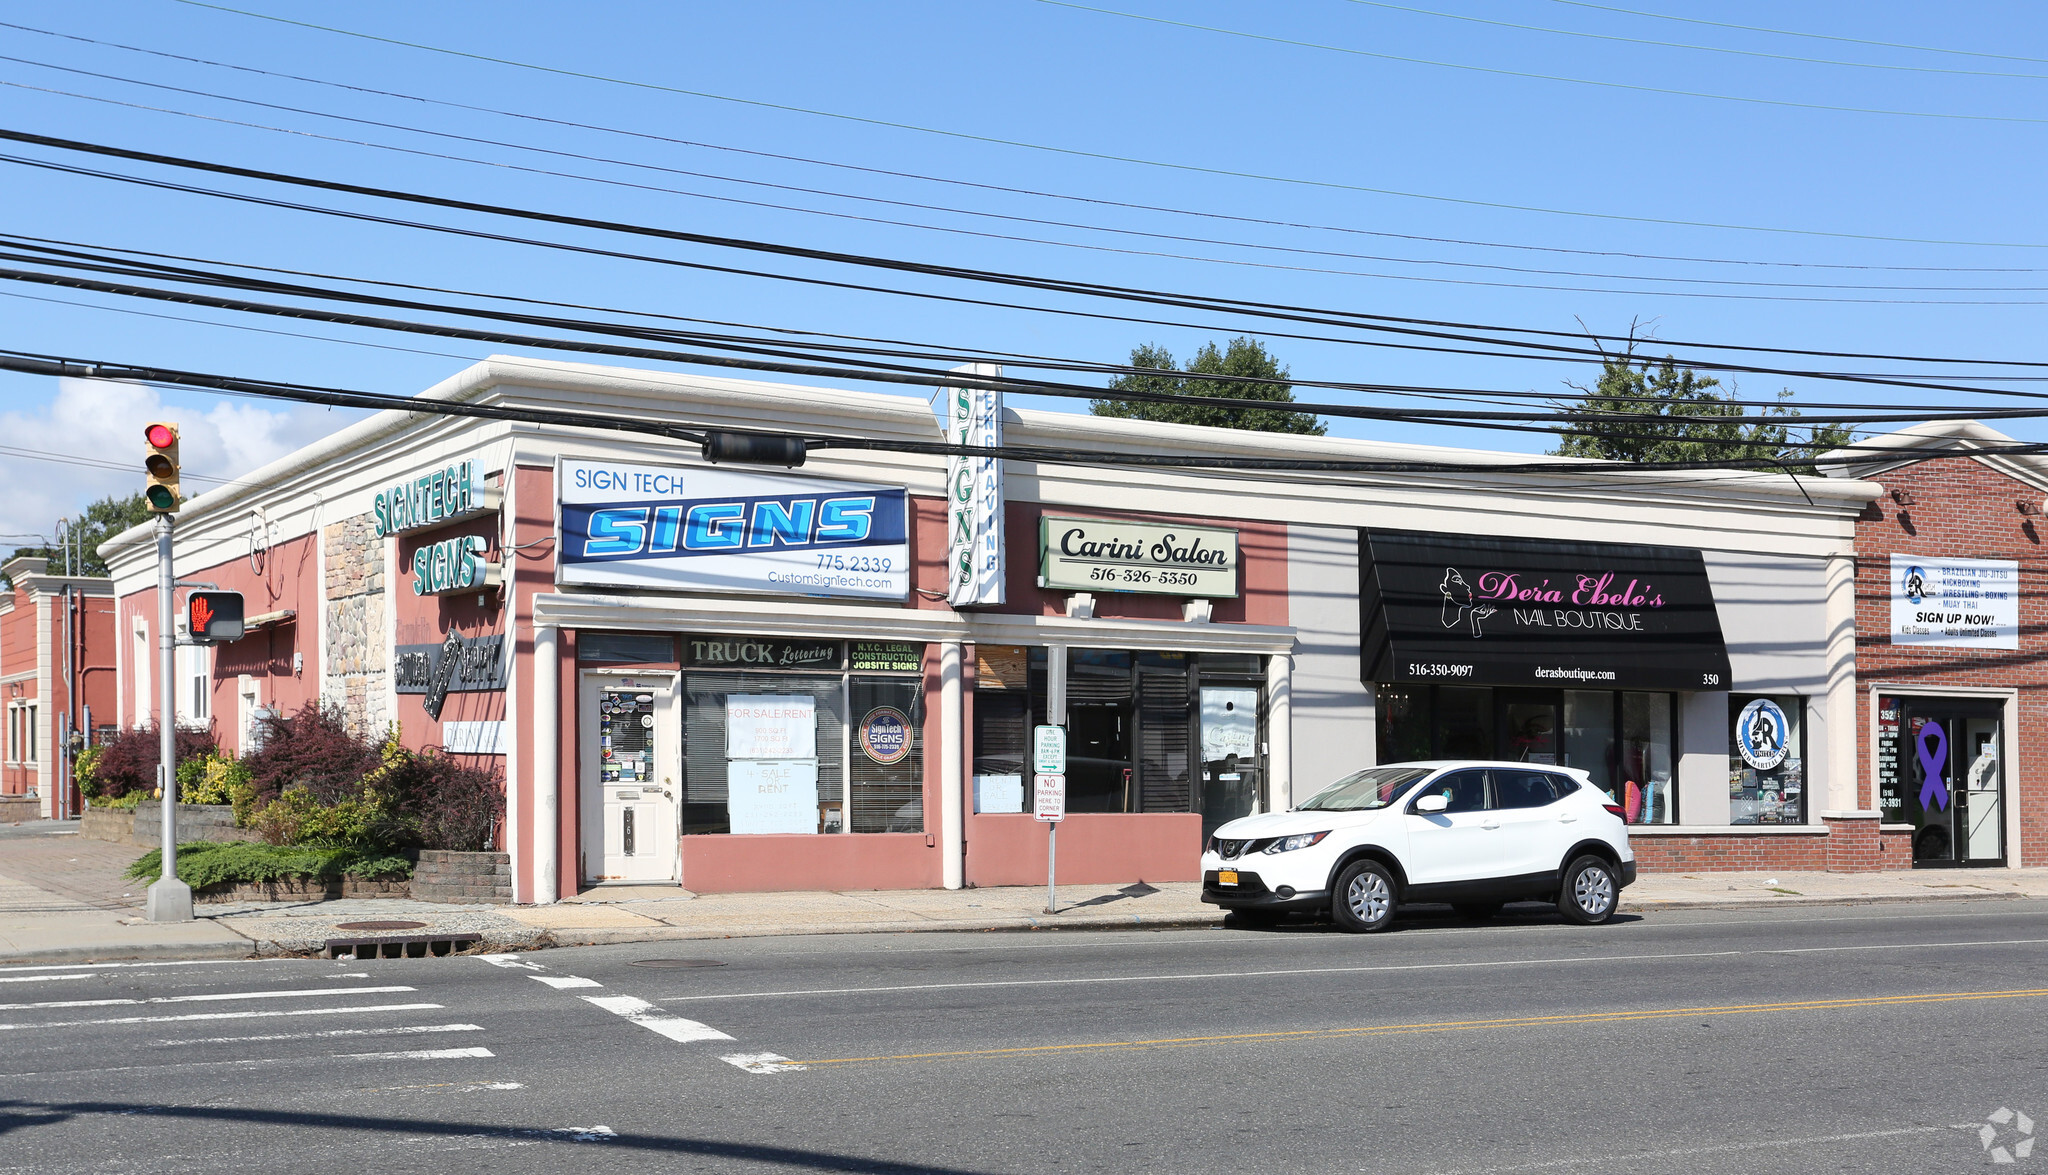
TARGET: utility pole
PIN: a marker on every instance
(170, 900)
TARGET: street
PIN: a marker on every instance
(1852, 1038)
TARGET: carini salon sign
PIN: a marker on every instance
(1098, 555)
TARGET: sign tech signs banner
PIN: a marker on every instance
(1501, 611)
(720, 530)
(1955, 603)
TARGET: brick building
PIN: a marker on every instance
(56, 677)
(1951, 632)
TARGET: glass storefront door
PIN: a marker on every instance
(1940, 769)
(629, 789)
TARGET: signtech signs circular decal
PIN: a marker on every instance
(885, 735)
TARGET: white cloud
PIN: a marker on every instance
(100, 421)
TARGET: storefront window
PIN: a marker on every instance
(1767, 767)
(1568, 728)
(801, 736)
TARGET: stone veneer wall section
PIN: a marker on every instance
(355, 676)
(443, 875)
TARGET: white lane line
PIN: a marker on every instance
(146, 965)
(409, 1030)
(1686, 1152)
(510, 962)
(223, 1016)
(559, 982)
(417, 1055)
(210, 997)
(653, 1019)
(762, 1062)
(348, 975)
(39, 978)
(1580, 960)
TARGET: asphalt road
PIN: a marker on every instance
(1864, 1039)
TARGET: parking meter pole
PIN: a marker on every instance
(169, 899)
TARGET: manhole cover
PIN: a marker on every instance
(675, 964)
(393, 925)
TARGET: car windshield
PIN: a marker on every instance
(1374, 787)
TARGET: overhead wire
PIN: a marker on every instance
(1075, 152)
(1096, 201)
(1748, 28)
(1017, 238)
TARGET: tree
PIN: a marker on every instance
(96, 524)
(1674, 414)
(1244, 360)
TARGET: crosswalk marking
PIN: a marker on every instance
(402, 1031)
(762, 1062)
(223, 1016)
(418, 1055)
(559, 982)
(653, 1019)
(210, 997)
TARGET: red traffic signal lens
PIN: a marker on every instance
(160, 436)
(161, 497)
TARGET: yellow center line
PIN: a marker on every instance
(1574, 1018)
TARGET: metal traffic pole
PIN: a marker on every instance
(170, 900)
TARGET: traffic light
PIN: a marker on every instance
(162, 493)
(214, 617)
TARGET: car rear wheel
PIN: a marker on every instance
(1364, 901)
(1476, 911)
(1589, 892)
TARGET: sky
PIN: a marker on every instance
(1869, 186)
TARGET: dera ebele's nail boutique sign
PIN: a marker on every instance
(1100, 555)
(446, 494)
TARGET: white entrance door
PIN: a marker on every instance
(632, 760)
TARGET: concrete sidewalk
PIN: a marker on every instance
(63, 900)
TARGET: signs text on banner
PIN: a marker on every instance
(974, 492)
(1100, 555)
(1955, 603)
(771, 726)
(1049, 750)
(725, 530)
(1049, 798)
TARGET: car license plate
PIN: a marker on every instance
(1226, 877)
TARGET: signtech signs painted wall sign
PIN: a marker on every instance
(1100, 555)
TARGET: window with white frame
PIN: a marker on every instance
(33, 751)
(194, 682)
(139, 663)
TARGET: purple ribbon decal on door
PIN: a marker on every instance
(1933, 791)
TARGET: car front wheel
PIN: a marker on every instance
(1589, 892)
(1364, 901)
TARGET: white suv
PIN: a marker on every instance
(1474, 834)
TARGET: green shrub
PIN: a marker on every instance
(84, 773)
(210, 863)
(211, 779)
(125, 803)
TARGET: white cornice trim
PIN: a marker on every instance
(1909, 446)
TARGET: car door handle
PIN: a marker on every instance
(1565, 818)
(1490, 824)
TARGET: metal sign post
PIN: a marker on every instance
(169, 899)
(1049, 798)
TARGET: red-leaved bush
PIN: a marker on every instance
(312, 749)
(128, 764)
(451, 805)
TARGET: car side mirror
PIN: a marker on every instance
(1434, 802)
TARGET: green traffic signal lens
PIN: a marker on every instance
(161, 498)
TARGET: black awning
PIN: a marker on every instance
(1475, 610)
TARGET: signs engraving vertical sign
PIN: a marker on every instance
(974, 492)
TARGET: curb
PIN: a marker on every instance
(138, 951)
(609, 936)
(1803, 900)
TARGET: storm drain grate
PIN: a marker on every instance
(403, 946)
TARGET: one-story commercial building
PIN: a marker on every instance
(731, 677)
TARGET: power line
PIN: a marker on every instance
(1076, 152)
(1095, 201)
(1747, 28)
(1011, 237)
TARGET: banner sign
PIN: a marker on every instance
(771, 726)
(974, 493)
(721, 530)
(766, 796)
(1955, 603)
(1098, 555)
(431, 499)
(1467, 610)
(744, 652)
(458, 664)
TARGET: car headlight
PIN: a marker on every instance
(1300, 840)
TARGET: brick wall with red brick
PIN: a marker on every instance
(1961, 508)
